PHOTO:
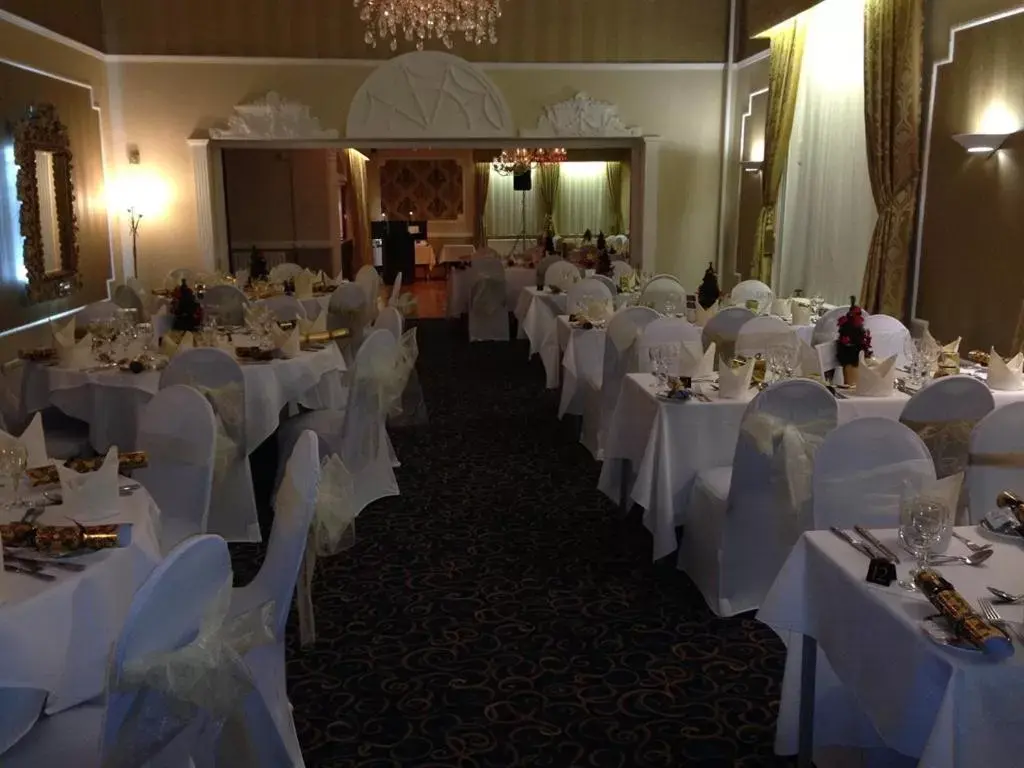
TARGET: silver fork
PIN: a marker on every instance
(971, 545)
(995, 619)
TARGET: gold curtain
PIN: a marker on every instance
(787, 52)
(893, 52)
(361, 225)
(613, 173)
(549, 178)
(481, 184)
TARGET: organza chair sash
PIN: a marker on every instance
(206, 680)
(792, 447)
(947, 441)
(228, 404)
(1011, 460)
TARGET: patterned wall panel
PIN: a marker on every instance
(430, 189)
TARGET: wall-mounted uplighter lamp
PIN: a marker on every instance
(134, 214)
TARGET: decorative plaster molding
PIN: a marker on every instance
(581, 116)
(428, 95)
(272, 117)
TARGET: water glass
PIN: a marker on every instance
(656, 354)
(817, 305)
(145, 333)
(13, 463)
(924, 522)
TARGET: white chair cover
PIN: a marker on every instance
(127, 297)
(487, 265)
(827, 328)
(760, 333)
(178, 431)
(100, 310)
(562, 274)
(283, 272)
(218, 377)
(368, 279)
(581, 294)
(347, 308)
(621, 269)
(542, 268)
(610, 284)
(664, 293)
(175, 276)
(228, 302)
(753, 289)
(242, 277)
(724, 328)
(742, 521)
(889, 337)
(861, 472)
(390, 319)
(285, 309)
(996, 461)
(485, 253)
(488, 313)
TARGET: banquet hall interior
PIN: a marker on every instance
(511, 382)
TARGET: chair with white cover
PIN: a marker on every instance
(413, 409)
(396, 291)
(581, 294)
(862, 470)
(488, 313)
(98, 310)
(284, 308)
(281, 273)
(753, 290)
(242, 277)
(723, 329)
(178, 431)
(218, 377)
(347, 308)
(542, 268)
(119, 728)
(562, 275)
(390, 319)
(826, 329)
(357, 433)
(996, 460)
(665, 294)
(610, 284)
(485, 253)
(368, 279)
(621, 269)
(227, 302)
(127, 297)
(663, 331)
(889, 337)
(175, 276)
(487, 265)
(761, 333)
(742, 521)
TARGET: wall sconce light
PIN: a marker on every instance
(752, 166)
(982, 143)
(134, 214)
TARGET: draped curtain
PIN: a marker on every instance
(613, 174)
(547, 181)
(504, 212)
(481, 183)
(893, 51)
(583, 200)
(787, 45)
(12, 264)
(361, 225)
(827, 212)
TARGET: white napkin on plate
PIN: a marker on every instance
(733, 383)
(1005, 375)
(808, 360)
(63, 332)
(170, 347)
(34, 440)
(319, 325)
(695, 362)
(91, 495)
(780, 307)
(801, 314)
(703, 315)
(287, 341)
(304, 284)
(76, 355)
(876, 379)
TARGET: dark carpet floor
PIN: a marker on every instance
(498, 613)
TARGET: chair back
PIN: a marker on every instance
(488, 310)
(585, 291)
(620, 353)
(754, 290)
(827, 327)
(485, 253)
(759, 333)
(610, 284)
(228, 302)
(664, 293)
(863, 469)
(542, 268)
(621, 269)
(281, 273)
(220, 374)
(284, 308)
(396, 290)
(98, 310)
(562, 274)
(242, 277)
(175, 276)
(362, 431)
(487, 264)
(390, 319)
(723, 329)
(996, 461)
(368, 279)
(127, 297)
(889, 337)
(665, 330)
(178, 431)
(347, 308)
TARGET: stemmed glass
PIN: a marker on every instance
(785, 356)
(145, 333)
(13, 463)
(657, 355)
(923, 524)
(817, 305)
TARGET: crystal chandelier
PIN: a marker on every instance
(512, 162)
(421, 20)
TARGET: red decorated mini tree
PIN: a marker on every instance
(853, 338)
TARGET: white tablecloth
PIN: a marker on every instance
(948, 708)
(460, 284)
(425, 255)
(582, 364)
(537, 312)
(110, 401)
(57, 636)
(451, 252)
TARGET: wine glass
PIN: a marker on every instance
(923, 523)
(656, 353)
(145, 334)
(817, 305)
(13, 463)
(785, 360)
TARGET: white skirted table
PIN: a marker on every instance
(582, 351)
(456, 252)
(537, 312)
(459, 285)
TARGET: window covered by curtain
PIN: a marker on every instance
(504, 216)
(12, 265)
(583, 200)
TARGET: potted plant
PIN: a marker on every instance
(853, 339)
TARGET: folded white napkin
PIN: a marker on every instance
(801, 314)
(940, 351)
(809, 360)
(63, 331)
(733, 383)
(90, 495)
(33, 439)
(76, 355)
(287, 341)
(695, 362)
(170, 347)
(597, 310)
(323, 279)
(876, 379)
(703, 315)
(780, 307)
(304, 282)
(319, 325)
(1005, 375)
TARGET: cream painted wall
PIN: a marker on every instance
(682, 106)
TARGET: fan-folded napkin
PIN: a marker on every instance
(72, 354)
(801, 314)
(33, 439)
(287, 341)
(1005, 375)
(170, 347)
(704, 315)
(780, 307)
(91, 495)
(733, 383)
(695, 362)
(303, 283)
(876, 379)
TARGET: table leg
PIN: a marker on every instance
(808, 676)
(624, 487)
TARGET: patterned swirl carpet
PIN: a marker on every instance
(499, 614)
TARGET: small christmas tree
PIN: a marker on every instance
(708, 292)
(854, 338)
(602, 245)
(257, 266)
(587, 235)
(187, 311)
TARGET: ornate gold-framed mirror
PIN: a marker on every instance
(46, 191)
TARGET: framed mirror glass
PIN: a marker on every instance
(46, 194)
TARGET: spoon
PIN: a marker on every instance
(975, 558)
(1005, 597)
(971, 545)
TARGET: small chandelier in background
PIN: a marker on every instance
(421, 20)
(512, 162)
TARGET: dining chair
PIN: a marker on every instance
(542, 268)
(996, 459)
(98, 310)
(753, 290)
(585, 291)
(390, 319)
(742, 520)
(227, 302)
(242, 277)
(889, 337)
(175, 276)
(368, 279)
(281, 273)
(664, 330)
(608, 283)
(759, 334)
(485, 253)
(621, 269)
(664, 293)
(396, 291)
(488, 313)
(127, 297)
(284, 308)
(561, 274)
(723, 329)
(347, 308)
(486, 265)
(826, 329)
(178, 431)
(863, 469)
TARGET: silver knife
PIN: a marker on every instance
(873, 541)
(853, 543)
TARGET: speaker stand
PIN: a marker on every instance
(521, 238)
